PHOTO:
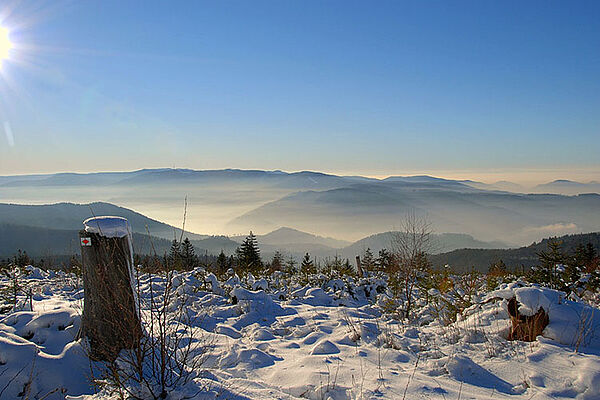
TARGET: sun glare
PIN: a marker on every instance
(5, 44)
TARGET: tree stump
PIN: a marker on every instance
(359, 269)
(526, 327)
(110, 318)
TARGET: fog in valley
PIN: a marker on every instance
(233, 202)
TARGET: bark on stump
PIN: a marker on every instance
(526, 327)
(359, 269)
(110, 318)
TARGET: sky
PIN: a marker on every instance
(470, 89)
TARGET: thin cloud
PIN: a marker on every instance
(558, 228)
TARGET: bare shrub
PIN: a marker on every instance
(169, 353)
(410, 246)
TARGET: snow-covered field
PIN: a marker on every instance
(315, 343)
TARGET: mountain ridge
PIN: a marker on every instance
(57, 233)
(342, 207)
(70, 216)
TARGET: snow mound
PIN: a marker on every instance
(325, 347)
(262, 335)
(247, 358)
(260, 284)
(35, 273)
(317, 297)
(42, 346)
(258, 301)
(214, 284)
(228, 331)
(256, 307)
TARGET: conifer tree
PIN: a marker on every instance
(340, 266)
(546, 273)
(21, 259)
(248, 256)
(498, 269)
(290, 266)
(384, 261)
(368, 260)
(346, 269)
(174, 257)
(276, 262)
(222, 263)
(307, 267)
(189, 260)
(584, 257)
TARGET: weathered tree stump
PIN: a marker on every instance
(359, 269)
(526, 327)
(110, 318)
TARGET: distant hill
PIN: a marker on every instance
(214, 244)
(68, 179)
(505, 186)
(296, 243)
(290, 236)
(169, 176)
(481, 259)
(50, 243)
(451, 207)
(441, 243)
(568, 187)
(69, 216)
(460, 251)
(44, 230)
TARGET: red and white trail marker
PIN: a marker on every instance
(86, 241)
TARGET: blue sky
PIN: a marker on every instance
(374, 88)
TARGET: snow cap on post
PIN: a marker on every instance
(108, 226)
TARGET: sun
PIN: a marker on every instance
(5, 44)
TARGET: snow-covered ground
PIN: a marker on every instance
(313, 344)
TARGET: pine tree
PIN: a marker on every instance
(498, 269)
(340, 266)
(248, 256)
(174, 258)
(21, 259)
(346, 269)
(189, 260)
(585, 257)
(276, 262)
(546, 273)
(368, 260)
(222, 264)
(384, 261)
(290, 266)
(307, 267)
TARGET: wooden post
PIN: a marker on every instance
(359, 267)
(110, 318)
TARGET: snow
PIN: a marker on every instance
(325, 347)
(317, 344)
(108, 226)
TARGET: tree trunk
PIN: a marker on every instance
(110, 316)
